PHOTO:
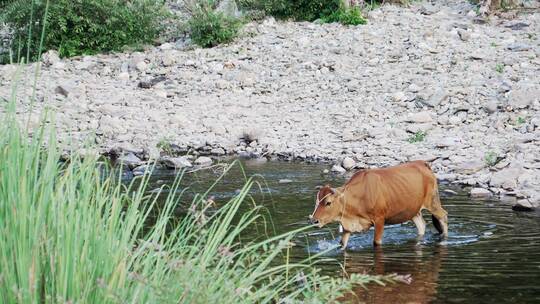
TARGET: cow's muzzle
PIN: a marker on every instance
(313, 220)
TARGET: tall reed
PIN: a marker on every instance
(70, 233)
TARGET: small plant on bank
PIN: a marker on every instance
(350, 16)
(499, 68)
(211, 28)
(490, 158)
(520, 120)
(165, 145)
(417, 137)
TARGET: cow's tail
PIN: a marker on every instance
(435, 198)
(436, 202)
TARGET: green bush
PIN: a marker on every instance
(298, 10)
(77, 27)
(352, 16)
(209, 28)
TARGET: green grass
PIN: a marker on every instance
(71, 233)
(499, 68)
(417, 137)
(164, 145)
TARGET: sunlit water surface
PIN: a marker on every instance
(492, 254)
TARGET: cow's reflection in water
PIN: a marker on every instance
(422, 265)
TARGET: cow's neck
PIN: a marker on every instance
(348, 217)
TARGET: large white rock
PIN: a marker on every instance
(506, 178)
(480, 192)
(420, 117)
(176, 162)
(348, 163)
(203, 161)
(338, 169)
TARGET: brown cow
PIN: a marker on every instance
(376, 197)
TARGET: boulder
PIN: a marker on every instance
(228, 8)
(523, 205)
(491, 106)
(348, 163)
(439, 97)
(470, 167)
(129, 159)
(217, 151)
(523, 97)
(175, 162)
(338, 169)
(506, 178)
(142, 169)
(480, 193)
(420, 117)
(203, 161)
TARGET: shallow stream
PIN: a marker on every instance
(492, 254)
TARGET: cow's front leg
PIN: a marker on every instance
(379, 229)
(345, 239)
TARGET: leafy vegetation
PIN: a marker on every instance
(209, 28)
(351, 16)
(417, 137)
(298, 10)
(82, 26)
(499, 68)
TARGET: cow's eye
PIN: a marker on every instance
(328, 203)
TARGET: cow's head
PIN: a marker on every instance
(328, 206)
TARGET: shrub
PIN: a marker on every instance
(209, 28)
(351, 16)
(77, 27)
(298, 10)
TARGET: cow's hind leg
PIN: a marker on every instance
(345, 239)
(439, 216)
(418, 220)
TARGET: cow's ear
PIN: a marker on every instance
(319, 187)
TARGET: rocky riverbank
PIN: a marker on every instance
(425, 82)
